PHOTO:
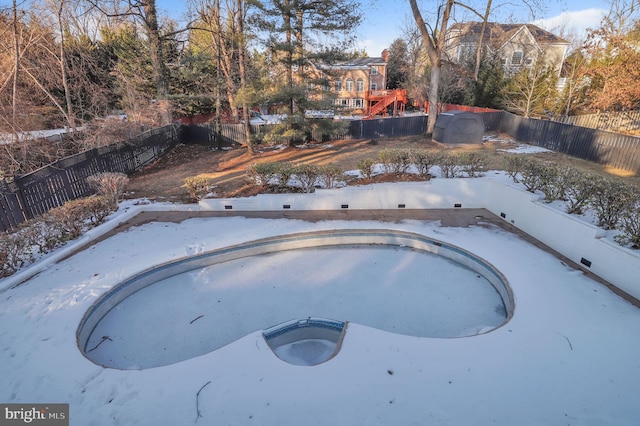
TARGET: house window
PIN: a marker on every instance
(516, 58)
(374, 70)
(528, 61)
(349, 85)
(358, 103)
(342, 102)
(338, 85)
(374, 86)
(360, 85)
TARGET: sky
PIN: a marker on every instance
(568, 355)
(383, 21)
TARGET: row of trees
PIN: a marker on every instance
(68, 62)
(598, 74)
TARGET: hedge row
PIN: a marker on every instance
(284, 176)
(420, 161)
(61, 224)
(615, 203)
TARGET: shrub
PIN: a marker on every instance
(395, 160)
(609, 199)
(283, 172)
(109, 185)
(629, 223)
(552, 181)
(474, 164)
(331, 175)
(514, 165)
(578, 189)
(262, 174)
(366, 167)
(271, 173)
(449, 165)
(307, 175)
(15, 252)
(531, 174)
(61, 224)
(76, 216)
(423, 160)
(198, 187)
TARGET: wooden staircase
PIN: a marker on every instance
(379, 100)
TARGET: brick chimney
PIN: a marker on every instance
(385, 55)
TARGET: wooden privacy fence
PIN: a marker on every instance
(36, 193)
(607, 148)
(622, 122)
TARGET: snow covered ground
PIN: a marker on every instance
(569, 354)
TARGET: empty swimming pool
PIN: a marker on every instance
(394, 281)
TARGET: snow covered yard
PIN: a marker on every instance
(567, 356)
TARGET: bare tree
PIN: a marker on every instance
(145, 12)
(433, 39)
(58, 7)
(532, 91)
(243, 73)
(16, 70)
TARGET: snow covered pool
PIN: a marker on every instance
(395, 281)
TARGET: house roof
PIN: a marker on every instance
(361, 63)
(497, 34)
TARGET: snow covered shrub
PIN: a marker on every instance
(395, 160)
(552, 182)
(474, 164)
(77, 216)
(578, 189)
(366, 167)
(331, 175)
(262, 173)
(284, 171)
(531, 174)
(109, 185)
(629, 222)
(198, 187)
(307, 175)
(271, 173)
(423, 160)
(514, 165)
(39, 236)
(449, 165)
(609, 199)
(15, 252)
(42, 234)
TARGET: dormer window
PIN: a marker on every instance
(516, 57)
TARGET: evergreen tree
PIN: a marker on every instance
(304, 38)
(398, 65)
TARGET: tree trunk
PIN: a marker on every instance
(16, 64)
(63, 68)
(157, 59)
(289, 52)
(218, 82)
(434, 44)
(243, 76)
(485, 18)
